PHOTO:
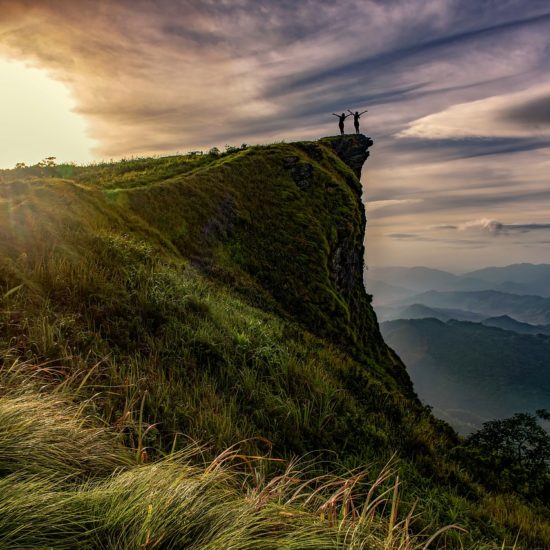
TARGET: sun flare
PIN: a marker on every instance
(37, 119)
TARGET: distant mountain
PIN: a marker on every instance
(521, 273)
(528, 279)
(489, 303)
(420, 311)
(424, 278)
(384, 293)
(470, 372)
(508, 323)
(519, 278)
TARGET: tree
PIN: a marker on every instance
(48, 162)
(512, 454)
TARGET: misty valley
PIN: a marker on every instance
(476, 345)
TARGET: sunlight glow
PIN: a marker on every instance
(37, 118)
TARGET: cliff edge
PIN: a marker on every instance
(353, 149)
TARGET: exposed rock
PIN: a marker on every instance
(221, 226)
(351, 148)
(301, 172)
(312, 149)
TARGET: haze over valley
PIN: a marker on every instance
(476, 345)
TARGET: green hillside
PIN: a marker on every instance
(152, 306)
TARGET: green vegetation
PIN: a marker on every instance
(513, 455)
(65, 483)
(156, 307)
(461, 366)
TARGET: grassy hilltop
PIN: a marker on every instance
(151, 306)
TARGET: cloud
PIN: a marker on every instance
(173, 74)
(464, 201)
(524, 114)
(444, 227)
(403, 235)
(532, 114)
(495, 227)
(374, 205)
(469, 147)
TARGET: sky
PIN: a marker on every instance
(457, 92)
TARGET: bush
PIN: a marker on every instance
(512, 454)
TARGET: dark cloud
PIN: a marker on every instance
(470, 147)
(533, 114)
(496, 228)
(412, 46)
(499, 228)
(403, 235)
(156, 77)
(451, 202)
(528, 226)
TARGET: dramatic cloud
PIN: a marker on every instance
(462, 83)
(533, 114)
(524, 114)
(151, 77)
(493, 227)
(157, 76)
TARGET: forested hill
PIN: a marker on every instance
(218, 299)
(471, 373)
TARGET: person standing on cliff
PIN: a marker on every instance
(341, 119)
(356, 117)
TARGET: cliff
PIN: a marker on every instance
(219, 297)
(290, 217)
(118, 253)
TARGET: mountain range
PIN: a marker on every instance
(474, 351)
(470, 372)
(388, 284)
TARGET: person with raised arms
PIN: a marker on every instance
(356, 117)
(341, 119)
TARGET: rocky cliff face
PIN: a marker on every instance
(353, 149)
(347, 261)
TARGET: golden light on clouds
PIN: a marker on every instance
(458, 100)
(36, 118)
(518, 115)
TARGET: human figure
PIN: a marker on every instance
(341, 119)
(356, 117)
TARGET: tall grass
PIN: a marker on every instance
(65, 482)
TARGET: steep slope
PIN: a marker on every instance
(220, 299)
(210, 290)
(288, 220)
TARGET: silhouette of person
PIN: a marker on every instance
(341, 119)
(356, 117)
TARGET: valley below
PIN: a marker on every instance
(474, 351)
